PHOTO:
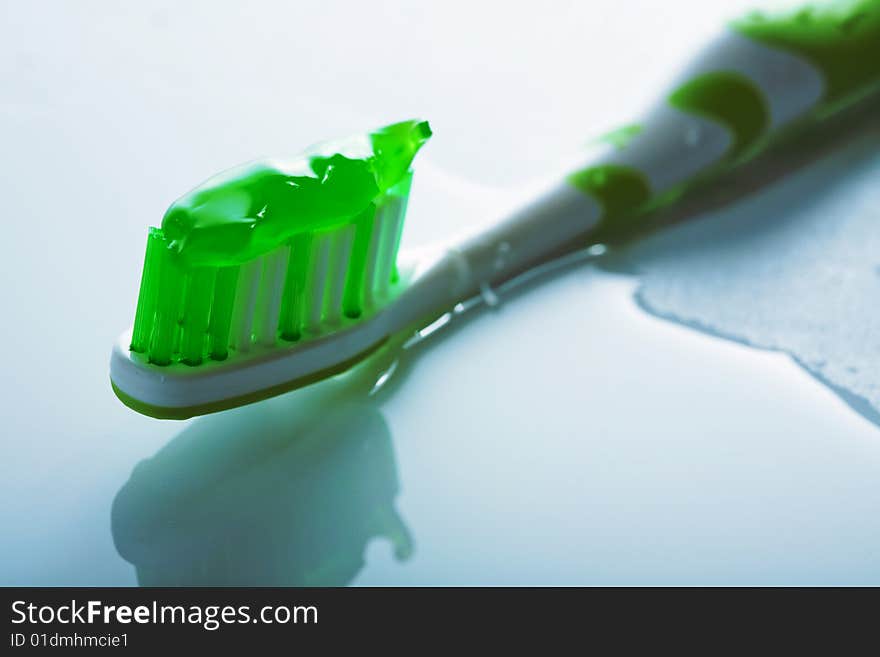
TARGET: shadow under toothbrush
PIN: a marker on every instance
(285, 492)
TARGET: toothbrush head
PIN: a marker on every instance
(269, 276)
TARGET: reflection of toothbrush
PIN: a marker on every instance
(275, 275)
(286, 494)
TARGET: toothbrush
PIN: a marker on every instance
(277, 274)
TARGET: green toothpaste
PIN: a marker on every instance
(208, 236)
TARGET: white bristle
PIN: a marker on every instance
(243, 306)
(269, 296)
(339, 259)
(317, 282)
(393, 220)
(261, 282)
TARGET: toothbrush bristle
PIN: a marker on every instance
(300, 290)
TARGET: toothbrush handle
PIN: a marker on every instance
(763, 78)
(759, 80)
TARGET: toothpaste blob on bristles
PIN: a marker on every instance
(277, 248)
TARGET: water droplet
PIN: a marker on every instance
(597, 250)
(436, 325)
(692, 136)
(463, 306)
(384, 377)
(488, 295)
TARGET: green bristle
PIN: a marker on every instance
(175, 345)
(221, 312)
(401, 192)
(146, 306)
(293, 301)
(353, 299)
(196, 311)
(171, 286)
(263, 294)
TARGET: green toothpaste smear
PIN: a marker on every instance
(247, 211)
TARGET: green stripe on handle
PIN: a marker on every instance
(621, 191)
(773, 76)
(730, 99)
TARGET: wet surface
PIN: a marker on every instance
(792, 268)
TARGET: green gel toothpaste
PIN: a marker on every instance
(234, 259)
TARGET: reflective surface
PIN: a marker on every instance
(286, 492)
(791, 269)
(565, 436)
